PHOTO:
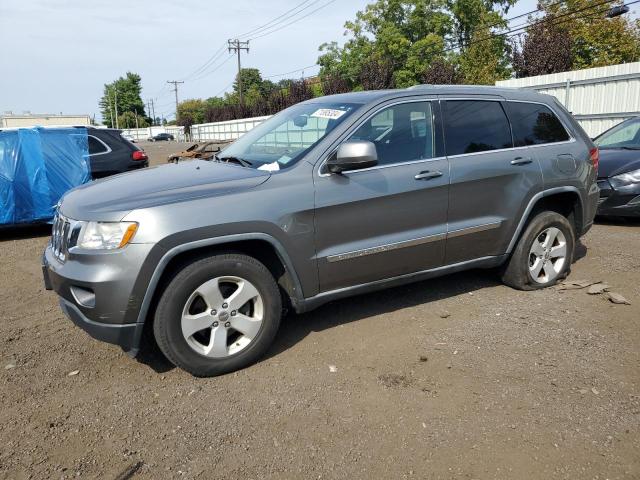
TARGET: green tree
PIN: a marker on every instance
(125, 94)
(193, 108)
(253, 85)
(597, 40)
(409, 35)
(485, 59)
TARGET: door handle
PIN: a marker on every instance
(521, 161)
(427, 175)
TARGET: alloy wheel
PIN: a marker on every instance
(222, 316)
(548, 255)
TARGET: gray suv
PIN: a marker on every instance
(332, 197)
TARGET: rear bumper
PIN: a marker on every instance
(620, 201)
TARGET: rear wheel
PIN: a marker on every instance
(218, 314)
(543, 255)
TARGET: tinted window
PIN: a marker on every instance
(95, 145)
(475, 126)
(534, 124)
(401, 133)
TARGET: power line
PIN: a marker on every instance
(292, 71)
(294, 21)
(274, 21)
(206, 64)
(218, 53)
(510, 33)
(206, 74)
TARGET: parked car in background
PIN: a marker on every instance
(619, 172)
(131, 138)
(205, 151)
(111, 153)
(160, 137)
(375, 189)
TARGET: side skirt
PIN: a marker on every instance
(314, 302)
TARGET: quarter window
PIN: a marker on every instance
(475, 126)
(95, 146)
(401, 133)
(534, 124)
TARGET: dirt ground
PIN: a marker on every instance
(457, 377)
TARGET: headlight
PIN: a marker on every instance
(106, 235)
(626, 178)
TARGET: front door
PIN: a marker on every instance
(387, 220)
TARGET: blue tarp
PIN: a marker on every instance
(37, 166)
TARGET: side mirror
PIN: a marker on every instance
(353, 156)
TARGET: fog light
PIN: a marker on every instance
(84, 296)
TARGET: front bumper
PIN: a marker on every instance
(618, 201)
(127, 336)
(95, 292)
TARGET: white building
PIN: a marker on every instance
(10, 120)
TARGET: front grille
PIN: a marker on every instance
(60, 237)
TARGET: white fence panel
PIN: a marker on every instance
(145, 133)
(229, 130)
(597, 97)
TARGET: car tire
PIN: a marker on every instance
(209, 293)
(543, 254)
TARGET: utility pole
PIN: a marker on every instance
(175, 89)
(110, 108)
(237, 46)
(152, 111)
(116, 103)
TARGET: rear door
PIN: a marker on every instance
(537, 126)
(491, 181)
(387, 220)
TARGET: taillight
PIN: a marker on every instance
(594, 154)
(139, 155)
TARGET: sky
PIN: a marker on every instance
(57, 55)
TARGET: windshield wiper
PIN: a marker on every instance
(629, 148)
(241, 161)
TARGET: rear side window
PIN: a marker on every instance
(96, 146)
(475, 126)
(534, 124)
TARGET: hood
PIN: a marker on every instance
(112, 198)
(614, 161)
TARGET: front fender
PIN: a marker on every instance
(160, 256)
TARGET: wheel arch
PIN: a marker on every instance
(563, 200)
(263, 247)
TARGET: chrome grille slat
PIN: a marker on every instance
(60, 237)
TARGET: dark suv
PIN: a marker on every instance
(160, 137)
(332, 197)
(111, 153)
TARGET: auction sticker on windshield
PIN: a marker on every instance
(329, 113)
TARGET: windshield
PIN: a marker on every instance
(625, 135)
(284, 139)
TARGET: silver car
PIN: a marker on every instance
(332, 197)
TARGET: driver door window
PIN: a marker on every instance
(401, 133)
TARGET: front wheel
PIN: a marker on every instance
(218, 314)
(543, 255)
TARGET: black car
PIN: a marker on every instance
(111, 153)
(619, 171)
(161, 137)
